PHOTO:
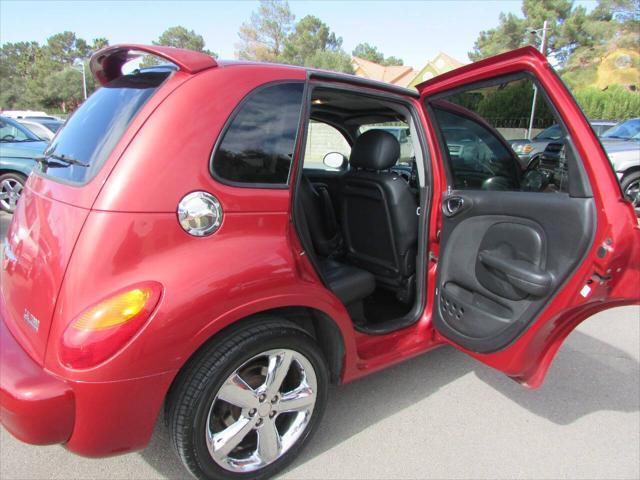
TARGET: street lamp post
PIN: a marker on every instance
(80, 62)
(543, 50)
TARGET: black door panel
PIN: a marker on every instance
(511, 260)
(503, 255)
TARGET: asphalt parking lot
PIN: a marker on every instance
(440, 415)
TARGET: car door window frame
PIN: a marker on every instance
(397, 95)
(579, 185)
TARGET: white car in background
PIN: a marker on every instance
(16, 114)
(44, 128)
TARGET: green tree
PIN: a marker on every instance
(63, 90)
(310, 36)
(34, 76)
(178, 37)
(17, 67)
(98, 43)
(574, 37)
(612, 24)
(263, 37)
(313, 44)
(509, 34)
(65, 48)
(371, 53)
(337, 61)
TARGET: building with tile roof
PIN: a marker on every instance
(440, 64)
(396, 74)
(404, 75)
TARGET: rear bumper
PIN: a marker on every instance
(93, 419)
(35, 406)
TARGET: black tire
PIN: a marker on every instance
(197, 385)
(12, 178)
(630, 184)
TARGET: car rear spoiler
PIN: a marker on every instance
(106, 63)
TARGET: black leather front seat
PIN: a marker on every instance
(350, 284)
(379, 213)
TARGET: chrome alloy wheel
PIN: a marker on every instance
(261, 410)
(632, 192)
(10, 190)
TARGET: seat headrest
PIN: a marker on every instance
(375, 150)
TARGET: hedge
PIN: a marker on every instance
(614, 103)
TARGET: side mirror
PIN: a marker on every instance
(334, 160)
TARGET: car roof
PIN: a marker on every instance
(327, 75)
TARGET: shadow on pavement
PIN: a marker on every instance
(588, 375)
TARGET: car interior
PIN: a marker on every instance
(359, 215)
(359, 201)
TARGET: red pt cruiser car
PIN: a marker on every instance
(218, 242)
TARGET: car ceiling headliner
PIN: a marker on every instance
(350, 109)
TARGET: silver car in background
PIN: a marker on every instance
(529, 151)
(622, 144)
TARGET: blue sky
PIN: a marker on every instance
(412, 30)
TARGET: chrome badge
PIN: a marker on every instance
(9, 256)
(31, 320)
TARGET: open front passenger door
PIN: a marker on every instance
(529, 247)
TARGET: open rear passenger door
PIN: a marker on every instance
(525, 254)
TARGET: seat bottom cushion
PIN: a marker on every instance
(348, 283)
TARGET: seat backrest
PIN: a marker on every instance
(379, 211)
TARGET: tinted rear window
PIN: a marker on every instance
(258, 146)
(95, 128)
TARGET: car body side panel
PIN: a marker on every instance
(208, 284)
(19, 165)
(20, 156)
(170, 156)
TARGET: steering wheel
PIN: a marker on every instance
(534, 180)
(8, 137)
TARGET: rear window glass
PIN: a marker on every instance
(89, 136)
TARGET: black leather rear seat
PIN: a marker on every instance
(350, 284)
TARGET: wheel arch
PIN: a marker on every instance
(21, 166)
(315, 322)
(4, 171)
(630, 171)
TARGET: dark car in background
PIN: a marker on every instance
(529, 150)
(18, 150)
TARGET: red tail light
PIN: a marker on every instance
(103, 329)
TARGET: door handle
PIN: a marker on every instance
(523, 275)
(453, 205)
